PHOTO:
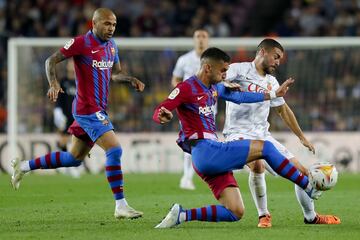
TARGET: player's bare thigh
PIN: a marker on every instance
(108, 140)
(231, 198)
(79, 148)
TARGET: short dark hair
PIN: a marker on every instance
(268, 44)
(216, 54)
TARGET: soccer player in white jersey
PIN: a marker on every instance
(186, 66)
(250, 121)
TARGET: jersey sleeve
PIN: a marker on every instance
(179, 68)
(276, 102)
(232, 72)
(178, 96)
(73, 47)
(237, 96)
(116, 58)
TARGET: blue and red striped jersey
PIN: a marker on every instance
(93, 60)
(195, 105)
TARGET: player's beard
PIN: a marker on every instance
(268, 69)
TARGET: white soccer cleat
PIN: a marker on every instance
(187, 184)
(172, 218)
(127, 212)
(17, 173)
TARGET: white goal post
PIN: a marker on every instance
(145, 44)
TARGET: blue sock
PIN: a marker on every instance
(54, 160)
(212, 213)
(283, 166)
(113, 172)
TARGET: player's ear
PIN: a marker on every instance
(262, 52)
(207, 67)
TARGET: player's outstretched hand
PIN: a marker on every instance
(232, 86)
(137, 84)
(164, 115)
(308, 144)
(54, 91)
(282, 90)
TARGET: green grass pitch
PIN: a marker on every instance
(59, 207)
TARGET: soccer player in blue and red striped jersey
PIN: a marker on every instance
(194, 101)
(96, 62)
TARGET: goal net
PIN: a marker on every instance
(325, 96)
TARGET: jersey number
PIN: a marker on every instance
(100, 116)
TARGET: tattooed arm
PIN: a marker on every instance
(118, 76)
(50, 68)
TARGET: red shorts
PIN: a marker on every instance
(218, 183)
(78, 132)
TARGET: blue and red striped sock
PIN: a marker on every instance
(113, 172)
(54, 160)
(283, 166)
(211, 213)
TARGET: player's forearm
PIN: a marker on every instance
(120, 77)
(290, 120)
(243, 97)
(50, 67)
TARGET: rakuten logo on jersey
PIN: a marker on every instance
(207, 110)
(102, 65)
(256, 88)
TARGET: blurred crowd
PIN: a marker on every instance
(222, 18)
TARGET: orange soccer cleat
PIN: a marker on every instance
(324, 219)
(265, 221)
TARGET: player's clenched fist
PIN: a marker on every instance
(164, 115)
(137, 84)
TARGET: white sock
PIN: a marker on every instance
(188, 168)
(121, 203)
(257, 185)
(25, 166)
(306, 203)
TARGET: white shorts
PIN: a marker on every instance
(281, 148)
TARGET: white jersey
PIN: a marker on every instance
(187, 65)
(250, 119)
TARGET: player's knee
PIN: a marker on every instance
(237, 210)
(257, 166)
(78, 155)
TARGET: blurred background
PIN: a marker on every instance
(325, 98)
(327, 89)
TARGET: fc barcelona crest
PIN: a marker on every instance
(113, 51)
(215, 94)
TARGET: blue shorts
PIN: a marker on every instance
(95, 125)
(212, 157)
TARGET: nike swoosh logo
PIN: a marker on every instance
(94, 51)
(199, 98)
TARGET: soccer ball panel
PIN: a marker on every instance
(323, 176)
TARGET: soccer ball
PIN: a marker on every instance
(323, 176)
